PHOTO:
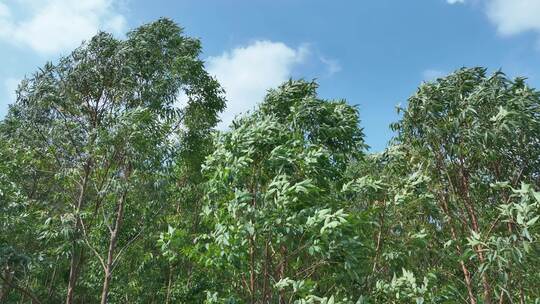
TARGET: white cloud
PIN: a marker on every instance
(432, 74)
(248, 72)
(51, 26)
(116, 24)
(515, 16)
(455, 1)
(4, 10)
(332, 65)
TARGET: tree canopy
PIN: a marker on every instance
(114, 191)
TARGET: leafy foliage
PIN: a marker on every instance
(274, 200)
(106, 133)
(111, 192)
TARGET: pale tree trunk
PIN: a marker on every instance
(252, 269)
(53, 278)
(169, 285)
(476, 228)
(282, 269)
(77, 255)
(112, 247)
(266, 282)
(466, 273)
(74, 267)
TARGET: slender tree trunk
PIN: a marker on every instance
(266, 281)
(466, 273)
(74, 267)
(521, 295)
(53, 278)
(169, 285)
(379, 238)
(478, 249)
(252, 269)
(76, 259)
(112, 246)
(282, 269)
(252, 282)
(106, 283)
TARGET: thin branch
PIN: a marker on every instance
(133, 239)
(90, 246)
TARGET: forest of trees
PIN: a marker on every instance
(110, 192)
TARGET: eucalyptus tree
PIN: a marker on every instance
(106, 120)
(278, 226)
(15, 218)
(473, 141)
(99, 165)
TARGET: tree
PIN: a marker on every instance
(105, 119)
(16, 215)
(278, 225)
(473, 141)
(112, 191)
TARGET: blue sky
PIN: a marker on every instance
(373, 53)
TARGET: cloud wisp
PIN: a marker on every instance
(332, 65)
(247, 72)
(514, 17)
(52, 26)
(455, 1)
